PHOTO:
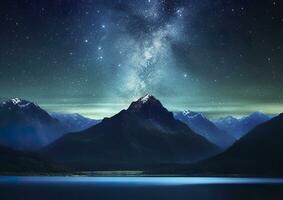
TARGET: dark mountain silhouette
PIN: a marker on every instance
(145, 134)
(201, 125)
(239, 127)
(12, 161)
(258, 152)
(25, 126)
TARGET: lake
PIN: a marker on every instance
(136, 188)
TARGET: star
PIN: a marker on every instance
(163, 47)
(179, 12)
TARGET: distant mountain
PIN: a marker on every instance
(26, 126)
(239, 127)
(259, 152)
(144, 135)
(201, 125)
(73, 122)
(12, 161)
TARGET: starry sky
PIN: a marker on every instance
(220, 57)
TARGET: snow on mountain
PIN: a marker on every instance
(17, 102)
(145, 98)
(26, 126)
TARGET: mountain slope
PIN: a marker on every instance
(201, 125)
(239, 127)
(12, 161)
(25, 126)
(257, 153)
(145, 134)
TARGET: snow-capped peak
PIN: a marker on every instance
(145, 98)
(16, 101)
(19, 102)
(147, 103)
(191, 114)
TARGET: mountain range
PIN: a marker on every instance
(239, 127)
(26, 126)
(201, 125)
(144, 135)
(74, 122)
(258, 152)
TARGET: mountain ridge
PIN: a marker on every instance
(259, 152)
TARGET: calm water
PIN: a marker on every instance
(135, 188)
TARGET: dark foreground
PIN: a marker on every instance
(122, 188)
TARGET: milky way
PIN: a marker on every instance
(94, 57)
(149, 59)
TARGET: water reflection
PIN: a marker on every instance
(140, 180)
(139, 188)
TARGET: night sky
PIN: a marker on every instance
(220, 57)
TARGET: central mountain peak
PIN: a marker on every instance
(149, 107)
(146, 98)
(147, 102)
(143, 135)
